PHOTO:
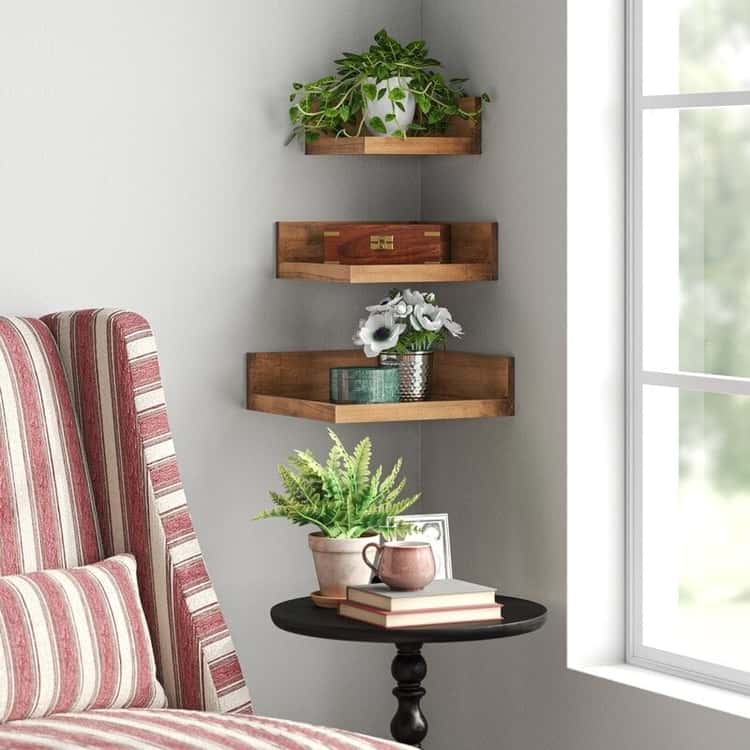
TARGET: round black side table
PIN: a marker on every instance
(409, 668)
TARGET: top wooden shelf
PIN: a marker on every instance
(462, 138)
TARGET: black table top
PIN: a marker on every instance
(303, 617)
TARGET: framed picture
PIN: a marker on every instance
(433, 528)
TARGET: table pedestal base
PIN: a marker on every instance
(409, 669)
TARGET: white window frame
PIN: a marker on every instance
(636, 104)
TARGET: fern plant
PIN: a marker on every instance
(342, 497)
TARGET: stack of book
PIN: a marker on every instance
(440, 603)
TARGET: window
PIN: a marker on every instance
(689, 339)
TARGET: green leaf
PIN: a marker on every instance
(361, 461)
(423, 102)
(377, 124)
(370, 91)
(397, 94)
(400, 106)
(382, 92)
(343, 113)
(390, 117)
(435, 116)
(297, 86)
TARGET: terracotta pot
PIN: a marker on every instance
(339, 563)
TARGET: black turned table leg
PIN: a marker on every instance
(409, 669)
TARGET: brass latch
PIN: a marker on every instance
(381, 242)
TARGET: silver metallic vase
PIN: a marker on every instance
(415, 373)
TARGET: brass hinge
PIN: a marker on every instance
(381, 242)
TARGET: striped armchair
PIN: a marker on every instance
(87, 471)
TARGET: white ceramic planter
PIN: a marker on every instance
(382, 107)
(339, 563)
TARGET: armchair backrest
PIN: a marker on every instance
(47, 517)
(118, 458)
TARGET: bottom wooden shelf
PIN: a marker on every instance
(295, 384)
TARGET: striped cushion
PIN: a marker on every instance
(75, 639)
(178, 730)
(110, 359)
(47, 517)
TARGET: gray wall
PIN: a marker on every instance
(503, 482)
(142, 165)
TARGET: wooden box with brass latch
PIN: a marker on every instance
(357, 244)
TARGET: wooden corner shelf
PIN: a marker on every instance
(462, 137)
(295, 384)
(300, 255)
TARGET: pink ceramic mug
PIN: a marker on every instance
(405, 566)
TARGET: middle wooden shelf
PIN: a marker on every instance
(473, 256)
(295, 384)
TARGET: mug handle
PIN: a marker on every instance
(376, 560)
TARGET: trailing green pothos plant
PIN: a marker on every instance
(342, 497)
(336, 104)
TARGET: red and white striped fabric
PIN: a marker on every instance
(47, 517)
(177, 730)
(73, 640)
(112, 368)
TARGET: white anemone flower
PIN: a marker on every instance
(379, 333)
(385, 304)
(356, 338)
(455, 329)
(427, 318)
(397, 306)
(414, 298)
(401, 309)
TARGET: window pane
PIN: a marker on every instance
(696, 240)
(696, 524)
(695, 45)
